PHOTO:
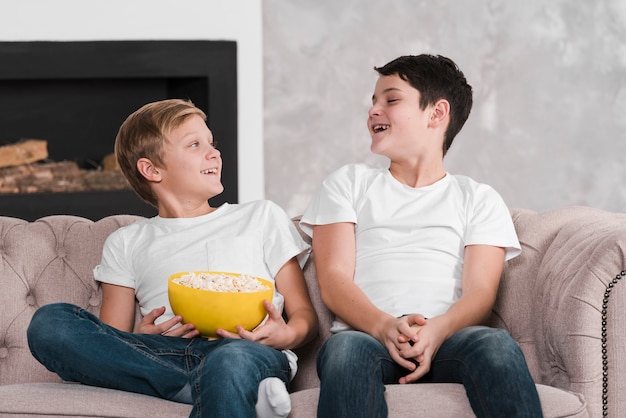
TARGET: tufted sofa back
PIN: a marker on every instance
(45, 261)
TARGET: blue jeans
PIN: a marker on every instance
(220, 378)
(354, 367)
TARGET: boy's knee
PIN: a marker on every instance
(342, 344)
(346, 348)
(502, 340)
(500, 349)
(47, 323)
(41, 318)
(250, 357)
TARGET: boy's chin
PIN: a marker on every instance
(375, 149)
(218, 191)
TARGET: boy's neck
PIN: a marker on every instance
(182, 211)
(417, 175)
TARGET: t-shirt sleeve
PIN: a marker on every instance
(282, 240)
(490, 223)
(114, 267)
(333, 202)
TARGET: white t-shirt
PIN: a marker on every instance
(410, 242)
(255, 238)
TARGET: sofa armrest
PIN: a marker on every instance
(583, 284)
(563, 300)
(45, 261)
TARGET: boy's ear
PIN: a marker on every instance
(440, 113)
(147, 169)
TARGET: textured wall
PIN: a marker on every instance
(549, 79)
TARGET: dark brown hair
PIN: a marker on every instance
(435, 77)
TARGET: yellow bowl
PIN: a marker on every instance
(209, 310)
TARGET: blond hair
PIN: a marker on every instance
(143, 134)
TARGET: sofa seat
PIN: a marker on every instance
(442, 400)
(76, 400)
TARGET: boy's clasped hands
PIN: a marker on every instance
(412, 342)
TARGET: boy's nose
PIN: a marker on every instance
(373, 111)
(213, 153)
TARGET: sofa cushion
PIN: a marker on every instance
(431, 400)
(76, 400)
(444, 400)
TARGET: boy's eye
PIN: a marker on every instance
(214, 144)
(194, 145)
(391, 100)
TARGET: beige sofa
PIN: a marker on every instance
(562, 300)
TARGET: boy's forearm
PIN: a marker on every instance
(304, 324)
(471, 309)
(353, 307)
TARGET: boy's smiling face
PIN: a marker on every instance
(193, 165)
(395, 121)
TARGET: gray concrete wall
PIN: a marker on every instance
(549, 79)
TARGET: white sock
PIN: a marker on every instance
(273, 400)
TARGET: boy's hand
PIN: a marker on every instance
(274, 332)
(398, 335)
(425, 343)
(147, 325)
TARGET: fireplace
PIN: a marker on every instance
(75, 95)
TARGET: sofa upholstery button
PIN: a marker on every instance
(30, 299)
(94, 300)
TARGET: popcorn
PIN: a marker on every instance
(221, 282)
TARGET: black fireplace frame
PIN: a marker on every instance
(203, 71)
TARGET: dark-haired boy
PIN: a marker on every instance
(409, 258)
